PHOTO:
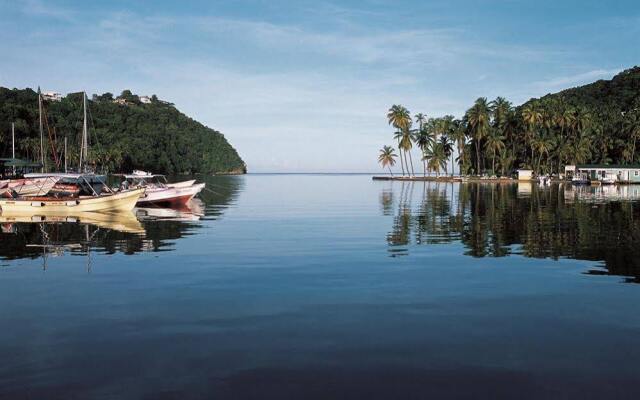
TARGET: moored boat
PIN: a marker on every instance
(580, 179)
(159, 191)
(95, 196)
(121, 201)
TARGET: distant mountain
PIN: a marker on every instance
(125, 133)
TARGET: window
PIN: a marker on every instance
(635, 173)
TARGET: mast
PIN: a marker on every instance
(65, 154)
(41, 134)
(13, 143)
(84, 145)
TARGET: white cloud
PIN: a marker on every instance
(42, 9)
(319, 115)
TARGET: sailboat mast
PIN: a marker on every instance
(65, 154)
(83, 146)
(41, 132)
(13, 143)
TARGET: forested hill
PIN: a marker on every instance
(125, 133)
(620, 94)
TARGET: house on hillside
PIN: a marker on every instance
(52, 96)
(122, 102)
(145, 99)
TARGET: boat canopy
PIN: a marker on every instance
(70, 176)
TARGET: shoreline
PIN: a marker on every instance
(449, 179)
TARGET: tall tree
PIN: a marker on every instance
(493, 145)
(387, 158)
(400, 118)
(478, 118)
(631, 127)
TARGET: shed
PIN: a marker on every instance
(525, 175)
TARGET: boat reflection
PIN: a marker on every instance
(125, 221)
(192, 211)
(143, 230)
(601, 193)
(600, 224)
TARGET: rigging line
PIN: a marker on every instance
(52, 141)
(93, 125)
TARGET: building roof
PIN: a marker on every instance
(610, 166)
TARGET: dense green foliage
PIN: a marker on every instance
(152, 136)
(595, 123)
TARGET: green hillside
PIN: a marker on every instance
(594, 123)
(152, 136)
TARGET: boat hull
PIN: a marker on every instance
(171, 196)
(121, 201)
(182, 184)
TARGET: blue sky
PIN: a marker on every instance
(303, 86)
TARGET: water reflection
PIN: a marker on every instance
(144, 229)
(496, 220)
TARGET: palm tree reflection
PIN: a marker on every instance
(498, 220)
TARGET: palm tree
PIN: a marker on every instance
(458, 135)
(532, 117)
(406, 144)
(398, 136)
(500, 108)
(420, 119)
(447, 150)
(494, 144)
(582, 150)
(423, 141)
(506, 160)
(631, 126)
(478, 118)
(400, 118)
(387, 158)
(436, 158)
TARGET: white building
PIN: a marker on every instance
(52, 96)
(145, 99)
(525, 175)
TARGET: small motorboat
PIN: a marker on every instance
(158, 191)
(580, 179)
(609, 178)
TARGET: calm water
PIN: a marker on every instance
(312, 286)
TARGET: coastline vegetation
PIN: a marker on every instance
(124, 134)
(596, 123)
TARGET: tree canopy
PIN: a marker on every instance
(153, 136)
(594, 123)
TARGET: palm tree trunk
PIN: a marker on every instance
(391, 172)
(400, 152)
(411, 159)
(477, 157)
(493, 162)
(453, 162)
(406, 163)
(424, 164)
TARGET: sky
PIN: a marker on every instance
(304, 86)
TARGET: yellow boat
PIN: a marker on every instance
(120, 201)
(124, 221)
